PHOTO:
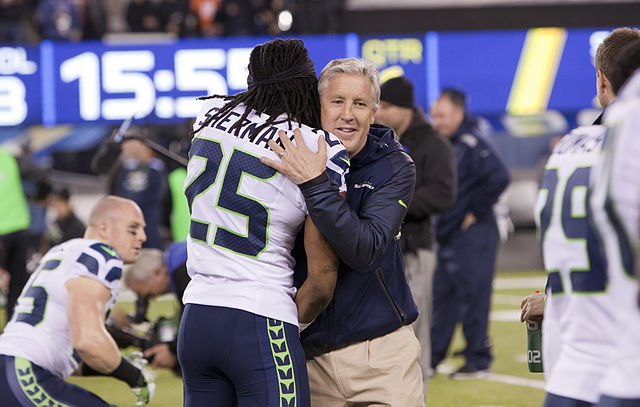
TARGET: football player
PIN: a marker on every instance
(238, 342)
(579, 313)
(616, 206)
(59, 319)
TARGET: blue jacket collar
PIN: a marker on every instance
(381, 141)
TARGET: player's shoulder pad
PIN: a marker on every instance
(101, 260)
(590, 130)
(105, 250)
(208, 109)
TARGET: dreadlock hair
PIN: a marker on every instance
(275, 94)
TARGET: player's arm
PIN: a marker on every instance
(322, 273)
(86, 311)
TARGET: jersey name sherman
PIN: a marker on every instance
(248, 128)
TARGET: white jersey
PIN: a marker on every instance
(39, 329)
(579, 312)
(245, 215)
(615, 206)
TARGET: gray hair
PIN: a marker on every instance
(143, 269)
(360, 66)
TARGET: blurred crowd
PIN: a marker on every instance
(50, 200)
(73, 20)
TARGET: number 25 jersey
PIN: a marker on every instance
(245, 215)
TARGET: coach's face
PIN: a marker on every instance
(348, 109)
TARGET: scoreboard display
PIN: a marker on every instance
(20, 95)
(99, 82)
(515, 71)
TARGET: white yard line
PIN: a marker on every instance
(506, 299)
(515, 380)
(447, 368)
(506, 283)
(507, 315)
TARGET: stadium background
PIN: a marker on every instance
(526, 67)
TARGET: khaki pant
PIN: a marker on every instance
(380, 372)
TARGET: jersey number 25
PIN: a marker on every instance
(239, 164)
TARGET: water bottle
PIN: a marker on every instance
(534, 346)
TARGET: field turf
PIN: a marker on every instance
(511, 385)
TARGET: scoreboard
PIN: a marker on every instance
(59, 82)
(515, 71)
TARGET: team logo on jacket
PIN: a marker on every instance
(365, 184)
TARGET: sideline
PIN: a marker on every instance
(447, 368)
(507, 283)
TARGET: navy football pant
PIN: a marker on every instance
(462, 292)
(231, 357)
(25, 384)
(608, 401)
(553, 400)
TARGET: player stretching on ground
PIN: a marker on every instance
(60, 315)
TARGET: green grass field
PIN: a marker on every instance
(509, 345)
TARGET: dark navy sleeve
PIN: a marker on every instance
(359, 239)
(492, 176)
(99, 262)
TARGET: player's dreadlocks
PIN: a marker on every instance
(281, 80)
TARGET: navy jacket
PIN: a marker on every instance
(372, 297)
(482, 177)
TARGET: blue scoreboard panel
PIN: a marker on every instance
(99, 82)
(517, 71)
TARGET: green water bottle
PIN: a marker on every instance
(534, 346)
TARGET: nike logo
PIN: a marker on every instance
(346, 160)
(402, 203)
